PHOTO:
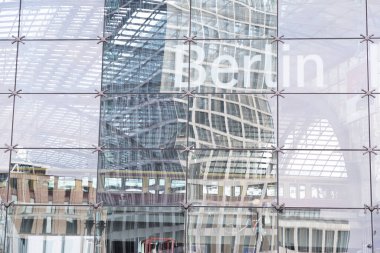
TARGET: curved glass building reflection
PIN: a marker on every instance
(163, 112)
(152, 121)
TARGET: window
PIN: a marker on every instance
(303, 239)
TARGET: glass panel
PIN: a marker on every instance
(233, 19)
(147, 19)
(376, 229)
(6, 105)
(233, 121)
(231, 66)
(323, 121)
(143, 229)
(375, 135)
(7, 64)
(374, 64)
(329, 241)
(2, 227)
(142, 177)
(4, 170)
(232, 230)
(53, 176)
(303, 239)
(54, 19)
(312, 178)
(375, 170)
(40, 229)
(227, 177)
(9, 12)
(373, 19)
(152, 66)
(143, 121)
(59, 121)
(350, 228)
(59, 66)
(323, 66)
(322, 18)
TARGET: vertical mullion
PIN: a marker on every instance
(277, 141)
(186, 212)
(369, 122)
(12, 127)
(97, 200)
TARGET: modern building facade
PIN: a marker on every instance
(189, 126)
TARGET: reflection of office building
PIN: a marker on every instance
(310, 231)
(151, 128)
(182, 138)
(53, 229)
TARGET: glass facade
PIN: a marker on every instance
(170, 126)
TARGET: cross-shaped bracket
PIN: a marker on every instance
(278, 39)
(189, 39)
(367, 38)
(14, 93)
(277, 93)
(98, 148)
(278, 149)
(102, 39)
(368, 93)
(101, 93)
(186, 206)
(96, 206)
(188, 149)
(370, 150)
(18, 39)
(278, 207)
(187, 93)
(10, 148)
(371, 208)
(7, 204)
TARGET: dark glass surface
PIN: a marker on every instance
(142, 229)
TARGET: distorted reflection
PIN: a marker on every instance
(232, 230)
(184, 145)
(144, 230)
(323, 230)
(53, 177)
(52, 229)
(233, 19)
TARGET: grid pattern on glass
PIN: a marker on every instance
(192, 126)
